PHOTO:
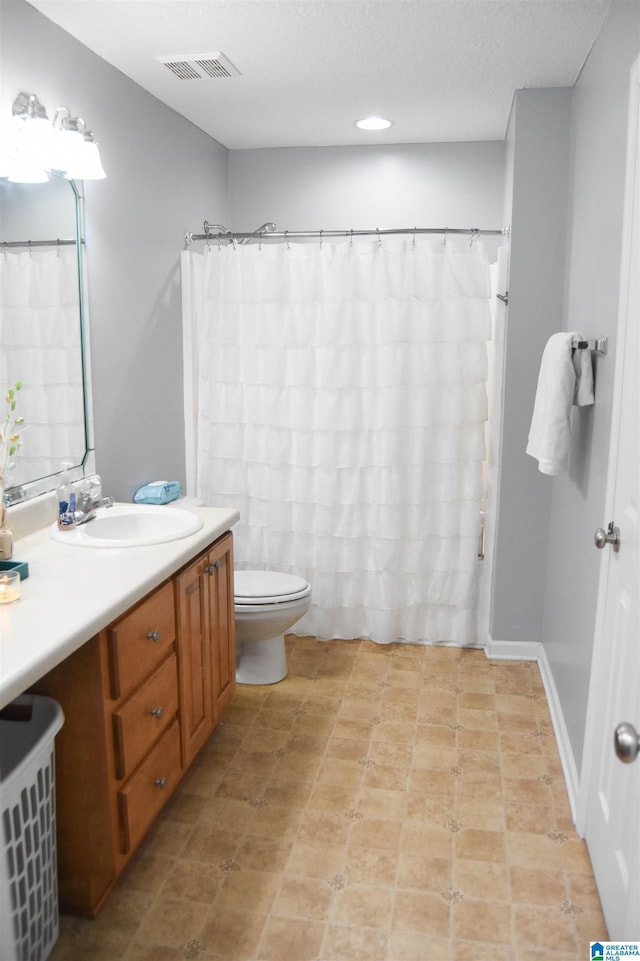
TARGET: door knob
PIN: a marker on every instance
(610, 536)
(626, 741)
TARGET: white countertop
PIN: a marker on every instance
(74, 592)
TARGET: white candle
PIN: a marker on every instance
(9, 587)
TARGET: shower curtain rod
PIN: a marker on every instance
(36, 243)
(270, 231)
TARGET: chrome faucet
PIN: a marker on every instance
(87, 505)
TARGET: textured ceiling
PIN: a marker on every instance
(443, 70)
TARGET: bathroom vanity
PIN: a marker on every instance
(140, 654)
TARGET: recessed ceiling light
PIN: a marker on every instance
(373, 123)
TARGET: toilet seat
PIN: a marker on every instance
(268, 587)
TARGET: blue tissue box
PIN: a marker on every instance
(20, 566)
(158, 492)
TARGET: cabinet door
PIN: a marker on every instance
(222, 621)
(194, 646)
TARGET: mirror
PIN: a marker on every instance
(44, 332)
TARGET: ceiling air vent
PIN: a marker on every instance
(200, 66)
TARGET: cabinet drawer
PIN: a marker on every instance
(140, 640)
(149, 789)
(144, 716)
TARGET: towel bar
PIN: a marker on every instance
(600, 345)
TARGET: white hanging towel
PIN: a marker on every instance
(565, 379)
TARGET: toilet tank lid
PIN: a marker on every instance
(249, 585)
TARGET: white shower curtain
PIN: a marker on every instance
(339, 393)
(40, 345)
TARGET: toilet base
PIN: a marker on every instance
(261, 662)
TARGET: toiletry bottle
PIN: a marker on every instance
(66, 502)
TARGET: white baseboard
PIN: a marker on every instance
(533, 651)
(512, 650)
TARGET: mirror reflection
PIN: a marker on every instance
(42, 334)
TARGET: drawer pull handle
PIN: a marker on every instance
(161, 782)
(153, 636)
(157, 712)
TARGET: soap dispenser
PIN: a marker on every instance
(66, 501)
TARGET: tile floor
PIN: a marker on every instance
(395, 803)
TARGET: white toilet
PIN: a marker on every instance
(267, 604)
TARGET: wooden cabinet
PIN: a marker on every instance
(206, 626)
(140, 699)
(222, 627)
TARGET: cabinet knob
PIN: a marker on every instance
(160, 782)
(157, 712)
(153, 636)
(212, 568)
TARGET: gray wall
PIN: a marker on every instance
(598, 144)
(164, 176)
(567, 151)
(399, 185)
(538, 139)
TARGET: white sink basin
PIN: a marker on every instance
(130, 525)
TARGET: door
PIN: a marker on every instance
(611, 789)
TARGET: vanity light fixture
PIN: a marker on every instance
(373, 123)
(75, 153)
(30, 144)
(37, 146)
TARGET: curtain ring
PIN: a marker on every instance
(351, 238)
(444, 239)
(320, 240)
(234, 242)
(413, 242)
(287, 240)
(379, 237)
(475, 233)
